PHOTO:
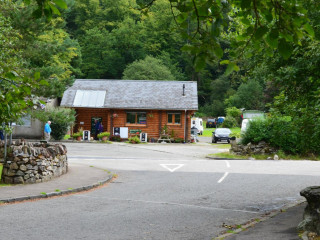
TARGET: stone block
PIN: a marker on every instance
(11, 173)
(23, 168)
(20, 173)
(8, 180)
(18, 180)
(30, 180)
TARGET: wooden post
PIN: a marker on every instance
(186, 126)
(160, 122)
(111, 122)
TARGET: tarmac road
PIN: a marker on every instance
(163, 191)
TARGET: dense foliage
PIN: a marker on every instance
(289, 135)
(252, 54)
(61, 120)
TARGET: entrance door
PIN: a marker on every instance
(94, 121)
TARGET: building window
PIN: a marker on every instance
(174, 118)
(136, 118)
(24, 121)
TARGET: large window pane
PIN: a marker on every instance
(174, 118)
(136, 118)
(131, 118)
(142, 118)
(177, 118)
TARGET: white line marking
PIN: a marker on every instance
(224, 176)
(228, 164)
(169, 166)
(169, 203)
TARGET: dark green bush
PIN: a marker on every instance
(257, 131)
(61, 119)
(59, 130)
(115, 138)
(296, 136)
(284, 135)
(229, 122)
(178, 140)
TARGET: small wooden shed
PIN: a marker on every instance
(133, 106)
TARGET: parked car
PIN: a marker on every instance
(220, 120)
(211, 123)
(221, 134)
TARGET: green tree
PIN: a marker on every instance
(48, 49)
(149, 68)
(276, 25)
(249, 96)
(61, 120)
(15, 89)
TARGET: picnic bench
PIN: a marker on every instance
(164, 138)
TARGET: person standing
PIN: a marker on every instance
(97, 128)
(47, 131)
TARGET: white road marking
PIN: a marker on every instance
(224, 176)
(172, 167)
(228, 164)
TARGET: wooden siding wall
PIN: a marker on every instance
(85, 114)
(117, 118)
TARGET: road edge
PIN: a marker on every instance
(60, 193)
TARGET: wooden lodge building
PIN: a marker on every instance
(133, 106)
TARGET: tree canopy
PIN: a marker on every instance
(230, 48)
(149, 68)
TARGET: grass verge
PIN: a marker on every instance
(227, 155)
(207, 132)
(281, 155)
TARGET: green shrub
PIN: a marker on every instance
(229, 122)
(103, 134)
(77, 134)
(58, 130)
(134, 140)
(233, 112)
(61, 119)
(178, 140)
(115, 138)
(284, 135)
(257, 131)
(293, 136)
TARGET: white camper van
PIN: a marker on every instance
(197, 123)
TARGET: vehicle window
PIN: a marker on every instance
(226, 131)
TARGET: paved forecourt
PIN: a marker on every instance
(163, 191)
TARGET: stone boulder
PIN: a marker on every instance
(311, 216)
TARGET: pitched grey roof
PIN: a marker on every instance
(132, 94)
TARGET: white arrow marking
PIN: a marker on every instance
(172, 167)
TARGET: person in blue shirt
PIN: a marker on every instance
(47, 131)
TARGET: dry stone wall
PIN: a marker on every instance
(249, 149)
(33, 162)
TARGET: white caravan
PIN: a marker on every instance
(197, 123)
